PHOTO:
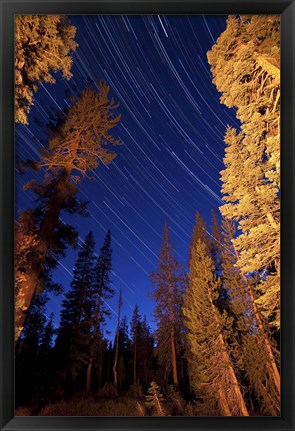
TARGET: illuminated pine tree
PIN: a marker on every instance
(253, 349)
(43, 44)
(168, 282)
(76, 146)
(211, 371)
(245, 63)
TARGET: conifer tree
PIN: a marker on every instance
(76, 145)
(168, 282)
(211, 371)
(245, 63)
(216, 246)
(199, 231)
(43, 44)
(216, 249)
(46, 368)
(102, 291)
(261, 371)
(155, 398)
(73, 341)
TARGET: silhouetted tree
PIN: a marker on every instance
(73, 341)
(102, 291)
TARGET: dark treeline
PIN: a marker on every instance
(215, 349)
(79, 355)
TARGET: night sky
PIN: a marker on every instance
(172, 127)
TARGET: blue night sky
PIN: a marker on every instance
(172, 126)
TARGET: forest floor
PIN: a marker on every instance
(90, 405)
(84, 407)
(81, 405)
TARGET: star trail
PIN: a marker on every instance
(172, 125)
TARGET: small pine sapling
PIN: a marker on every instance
(154, 399)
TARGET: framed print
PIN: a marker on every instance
(146, 239)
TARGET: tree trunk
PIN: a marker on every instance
(225, 410)
(117, 342)
(234, 384)
(28, 287)
(173, 354)
(116, 361)
(134, 360)
(88, 376)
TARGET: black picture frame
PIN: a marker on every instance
(286, 9)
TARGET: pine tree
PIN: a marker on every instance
(199, 231)
(45, 356)
(168, 282)
(245, 63)
(211, 371)
(76, 146)
(261, 370)
(155, 398)
(73, 341)
(102, 291)
(216, 249)
(43, 44)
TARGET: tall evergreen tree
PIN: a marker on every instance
(168, 282)
(211, 372)
(76, 145)
(103, 291)
(73, 341)
(245, 63)
(46, 359)
(43, 44)
(261, 370)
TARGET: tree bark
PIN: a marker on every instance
(223, 404)
(173, 354)
(28, 287)
(88, 376)
(134, 360)
(116, 360)
(117, 342)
